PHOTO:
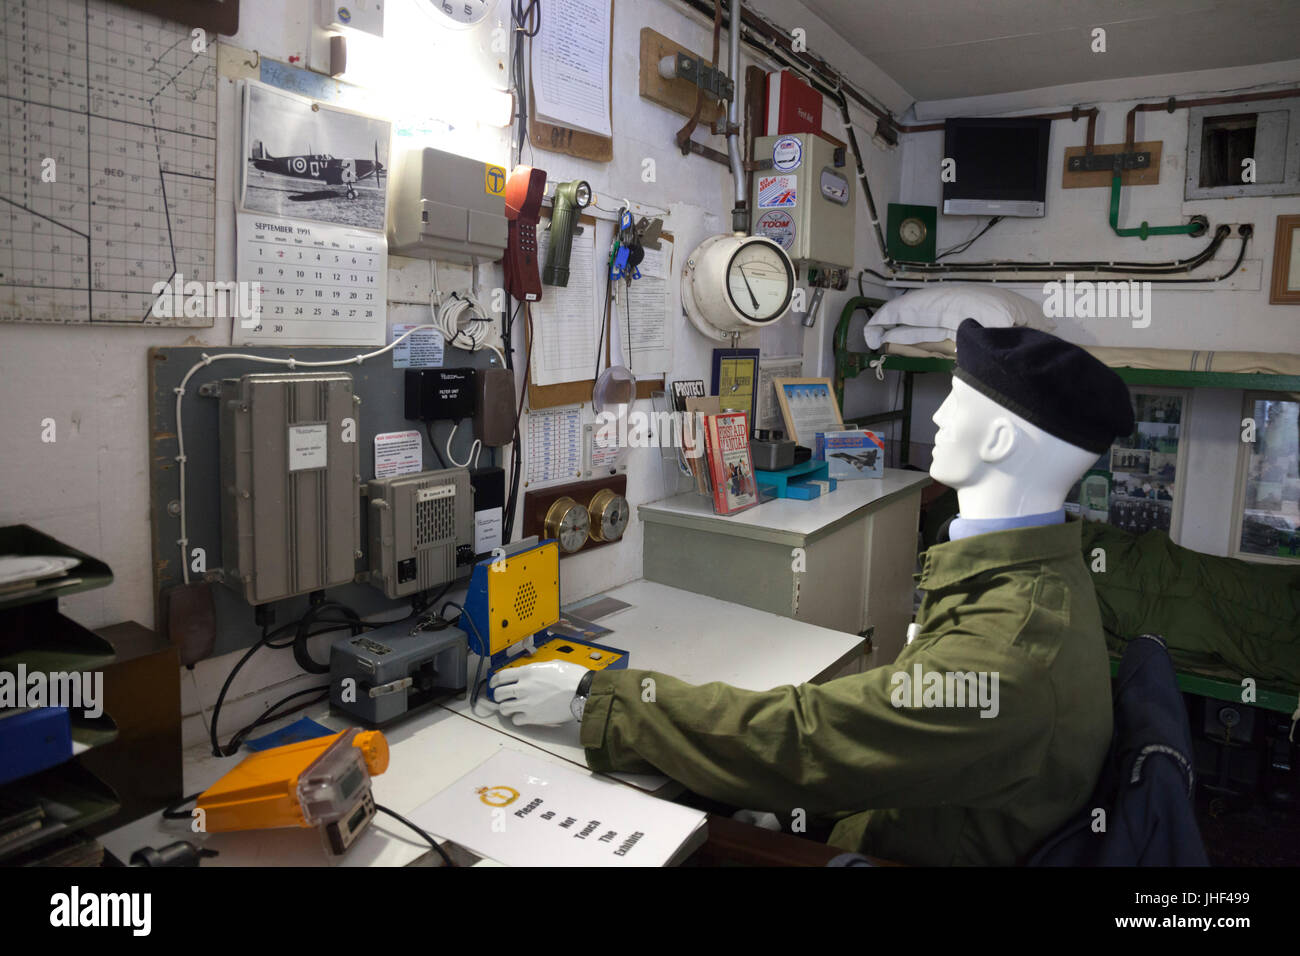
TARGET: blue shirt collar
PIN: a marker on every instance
(968, 527)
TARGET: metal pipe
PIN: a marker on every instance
(739, 213)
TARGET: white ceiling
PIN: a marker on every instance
(948, 49)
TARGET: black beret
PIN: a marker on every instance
(1047, 381)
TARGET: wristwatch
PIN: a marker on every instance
(579, 702)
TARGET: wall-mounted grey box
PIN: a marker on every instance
(290, 484)
(416, 524)
(441, 206)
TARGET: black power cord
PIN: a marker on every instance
(428, 839)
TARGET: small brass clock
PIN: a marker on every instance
(568, 523)
(609, 514)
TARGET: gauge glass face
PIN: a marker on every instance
(582, 195)
(614, 519)
(912, 231)
(574, 528)
(759, 281)
(464, 12)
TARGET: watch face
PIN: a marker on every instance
(760, 281)
(574, 528)
(912, 231)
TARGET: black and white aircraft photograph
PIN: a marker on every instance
(325, 164)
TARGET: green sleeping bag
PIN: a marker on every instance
(1220, 616)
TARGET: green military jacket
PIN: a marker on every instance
(909, 767)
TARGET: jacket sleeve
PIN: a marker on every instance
(856, 743)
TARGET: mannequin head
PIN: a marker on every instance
(1001, 465)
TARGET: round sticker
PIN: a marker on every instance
(787, 153)
(777, 226)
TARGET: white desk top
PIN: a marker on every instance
(698, 639)
(691, 636)
(786, 520)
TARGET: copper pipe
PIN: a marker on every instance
(1172, 104)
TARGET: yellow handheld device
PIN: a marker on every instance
(511, 602)
(324, 783)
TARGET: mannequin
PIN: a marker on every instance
(1001, 465)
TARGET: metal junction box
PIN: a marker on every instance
(448, 207)
(807, 200)
(416, 524)
(290, 484)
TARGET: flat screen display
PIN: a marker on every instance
(1001, 166)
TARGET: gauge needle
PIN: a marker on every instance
(749, 288)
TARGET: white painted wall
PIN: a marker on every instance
(90, 488)
(1076, 227)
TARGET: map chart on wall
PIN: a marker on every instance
(107, 175)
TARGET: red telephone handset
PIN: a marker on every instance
(524, 189)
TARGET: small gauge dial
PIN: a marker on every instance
(463, 12)
(568, 523)
(759, 281)
(609, 513)
(912, 231)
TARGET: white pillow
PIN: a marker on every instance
(933, 314)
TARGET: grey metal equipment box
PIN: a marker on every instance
(442, 206)
(290, 484)
(396, 670)
(416, 524)
(805, 203)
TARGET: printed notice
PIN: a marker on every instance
(487, 530)
(522, 811)
(570, 65)
(553, 443)
(423, 349)
(307, 447)
(398, 453)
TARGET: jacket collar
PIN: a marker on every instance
(943, 565)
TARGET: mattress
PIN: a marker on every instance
(1177, 360)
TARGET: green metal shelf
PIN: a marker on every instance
(1221, 688)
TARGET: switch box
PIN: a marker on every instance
(806, 202)
(290, 482)
(447, 207)
(417, 522)
(436, 394)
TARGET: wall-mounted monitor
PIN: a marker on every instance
(1001, 166)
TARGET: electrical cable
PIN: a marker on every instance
(963, 246)
(401, 819)
(269, 715)
(428, 431)
(303, 631)
(475, 450)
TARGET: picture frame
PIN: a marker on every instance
(735, 371)
(1252, 470)
(808, 405)
(1285, 286)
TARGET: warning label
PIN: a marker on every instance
(777, 226)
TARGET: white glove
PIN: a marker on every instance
(538, 693)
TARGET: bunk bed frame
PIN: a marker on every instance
(849, 364)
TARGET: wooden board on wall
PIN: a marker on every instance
(1129, 177)
(579, 393)
(574, 142)
(676, 94)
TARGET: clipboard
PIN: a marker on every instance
(579, 392)
(573, 142)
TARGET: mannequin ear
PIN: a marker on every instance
(999, 440)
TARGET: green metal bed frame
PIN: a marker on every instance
(849, 364)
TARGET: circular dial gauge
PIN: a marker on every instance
(912, 231)
(568, 523)
(464, 12)
(759, 281)
(609, 513)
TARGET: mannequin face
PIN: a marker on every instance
(974, 433)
